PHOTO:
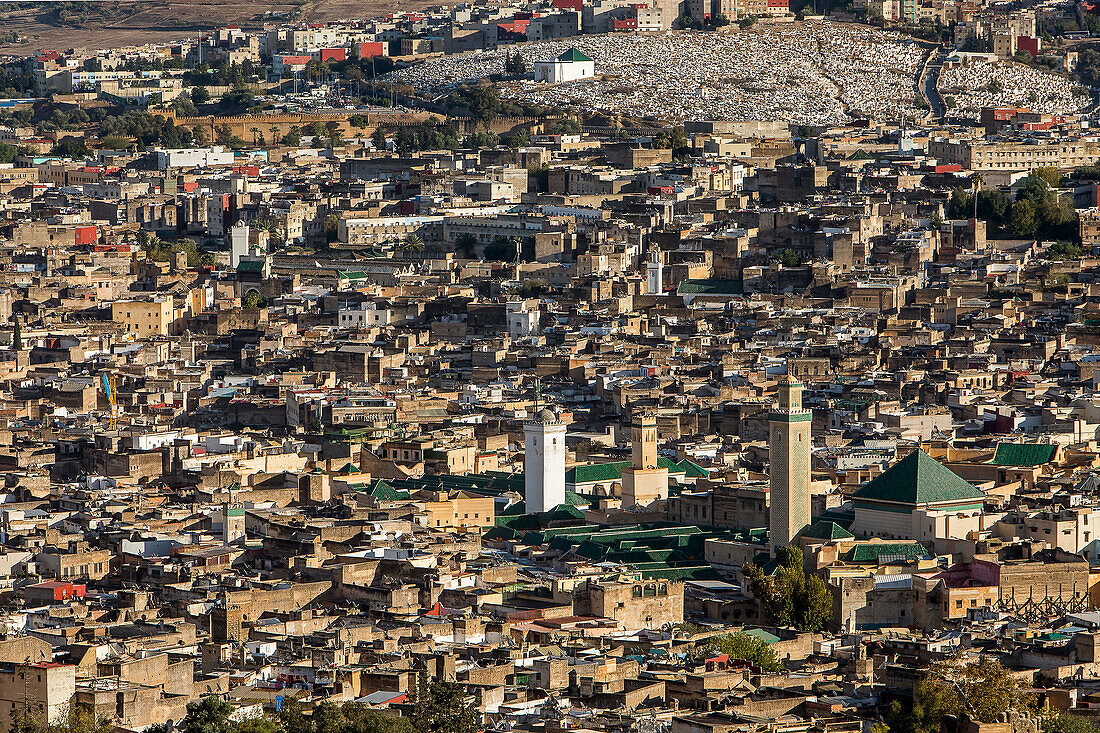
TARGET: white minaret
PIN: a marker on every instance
(789, 456)
(654, 273)
(238, 243)
(543, 462)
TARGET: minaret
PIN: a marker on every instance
(643, 482)
(543, 462)
(654, 273)
(789, 472)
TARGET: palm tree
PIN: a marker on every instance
(412, 243)
(273, 228)
(255, 134)
(274, 134)
(465, 243)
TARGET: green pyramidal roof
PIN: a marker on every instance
(573, 55)
(823, 529)
(918, 479)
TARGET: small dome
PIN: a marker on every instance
(546, 415)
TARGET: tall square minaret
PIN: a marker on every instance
(789, 470)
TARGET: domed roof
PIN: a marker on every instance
(546, 415)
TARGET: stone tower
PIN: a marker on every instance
(789, 472)
(543, 462)
(643, 481)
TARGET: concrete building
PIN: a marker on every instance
(789, 469)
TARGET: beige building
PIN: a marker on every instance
(459, 510)
(642, 604)
(1015, 156)
(44, 691)
(144, 318)
(79, 564)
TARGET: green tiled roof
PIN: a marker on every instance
(918, 479)
(880, 552)
(382, 490)
(691, 469)
(613, 471)
(664, 571)
(710, 286)
(596, 472)
(250, 266)
(500, 533)
(573, 54)
(826, 530)
(764, 636)
(1024, 454)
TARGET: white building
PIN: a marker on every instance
(570, 66)
(543, 462)
(365, 315)
(523, 320)
(193, 157)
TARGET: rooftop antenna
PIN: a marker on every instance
(538, 393)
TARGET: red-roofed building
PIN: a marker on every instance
(513, 32)
(53, 591)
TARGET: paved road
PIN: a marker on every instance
(928, 81)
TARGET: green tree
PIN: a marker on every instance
(441, 707)
(791, 596)
(981, 690)
(465, 245)
(992, 206)
(257, 725)
(237, 99)
(958, 206)
(200, 95)
(17, 336)
(71, 147)
(184, 107)
(482, 101)
(378, 138)
(745, 647)
(1068, 723)
(1062, 250)
(252, 299)
(1023, 220)
(518, 139)
(1050, 175)
(501, 249)
(208, 715)
(788, 258)
(358, 718)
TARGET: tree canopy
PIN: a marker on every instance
(745, 647)
(791, 596)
